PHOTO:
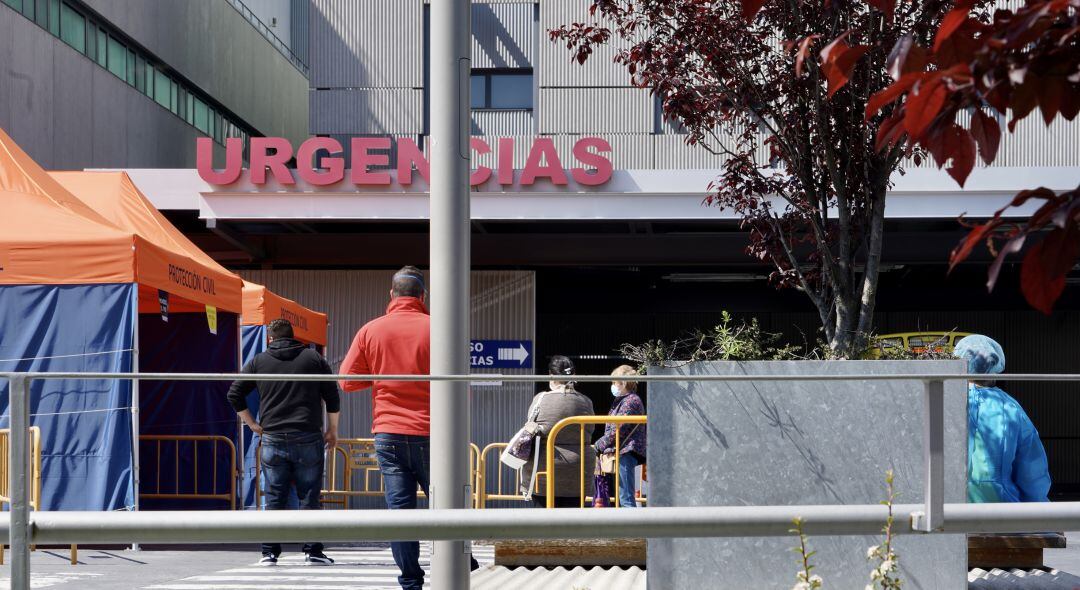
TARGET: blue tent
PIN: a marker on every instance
(80, 293)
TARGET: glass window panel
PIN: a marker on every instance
(511, 91)
(73, 28)
(91, 36)
(140, 74)
(41, 14)
(174, 101)
(54, 17)
(117, 58)
(478, 91)
(202, 116)
(149, 73)
(131, 67)
(161, 88)
(189, 104)
(16, 4)
(102, 48)
(28, 9)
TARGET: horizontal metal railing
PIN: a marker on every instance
(931, 516)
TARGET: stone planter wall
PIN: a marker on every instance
(798, 443)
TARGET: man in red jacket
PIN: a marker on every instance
(398, 343)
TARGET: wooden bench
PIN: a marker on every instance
(571, 553)
(1003, 551)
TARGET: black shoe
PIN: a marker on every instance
(317, 558)
(268, 559)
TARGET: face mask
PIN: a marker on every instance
(615, 391)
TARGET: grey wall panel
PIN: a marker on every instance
(367, 110)
(503, 307)
(68, 113)
(629, 151)
(276, 15)
(595, 110)
(503, 123)
(504, 35)
(216, 48)
(300, 21)
(366, 44)
(556, 66)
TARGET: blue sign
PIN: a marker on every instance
(501, 354)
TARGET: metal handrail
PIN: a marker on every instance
(194, 439)
(582, 421)
(932, 516)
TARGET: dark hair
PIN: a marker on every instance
(560, 365)
(408, 282)
(280, 328)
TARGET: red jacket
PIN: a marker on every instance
(398, 343)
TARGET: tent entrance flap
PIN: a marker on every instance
(185, 344)
(85, 424)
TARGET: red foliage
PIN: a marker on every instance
(1004, 62)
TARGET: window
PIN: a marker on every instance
(91, 38)
(73, 28)
(502, 89)
(41, 13)
(174, 98)
(117, 58)
(102, 47)
(16, 4)
(140, 74)
(149, 73)
(161, 88)
(202, 116)
(131, 67)
(54, 17)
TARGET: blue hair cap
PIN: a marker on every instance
(983, 354)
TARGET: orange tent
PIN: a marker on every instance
(114, 197)
(261, 306)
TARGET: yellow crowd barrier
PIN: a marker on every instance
(194, 494)
(35, 482)
(354, 458)
(513, 494)
(582, 421)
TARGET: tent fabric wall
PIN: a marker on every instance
(253, 340)
(85, 424)
(185, 344)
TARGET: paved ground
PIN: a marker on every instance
(367, 567)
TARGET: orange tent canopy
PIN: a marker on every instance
(191, 273)
(261, 306)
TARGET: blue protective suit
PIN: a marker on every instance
(1006, 459)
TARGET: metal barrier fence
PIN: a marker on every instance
(582, 422)
(931, 516)
(178, 494)
(35, 484)
(500, 494)
(358, 458)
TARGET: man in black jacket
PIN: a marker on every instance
(291, 426)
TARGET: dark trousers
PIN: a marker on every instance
(404, 461)
(292, 459)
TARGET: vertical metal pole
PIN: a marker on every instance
(136, 474)
(450, 266)
(19, 484)
(933, 517)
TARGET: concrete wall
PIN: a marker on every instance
(799, 443)
(214, 47)
(69, 113)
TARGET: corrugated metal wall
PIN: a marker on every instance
(299, 33)
(497, 123)
(367, 110)
(503, 308)
(504, 35)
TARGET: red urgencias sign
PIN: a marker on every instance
(274, 153)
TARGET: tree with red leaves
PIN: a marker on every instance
(791, 79)
(984, 64)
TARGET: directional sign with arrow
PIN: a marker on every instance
(501, 354)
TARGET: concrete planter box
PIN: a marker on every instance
(799, 443)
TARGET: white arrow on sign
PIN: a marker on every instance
(519, 354)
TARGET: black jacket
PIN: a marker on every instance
(288, 406)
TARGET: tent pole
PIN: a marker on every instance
(136, 476)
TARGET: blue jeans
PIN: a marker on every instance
(292, 459)
(627, 480)
(403, 461)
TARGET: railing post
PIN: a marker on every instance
(933, 518)
(19, 483)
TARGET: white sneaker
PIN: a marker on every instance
(268, 560)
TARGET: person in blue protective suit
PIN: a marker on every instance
(1006, 460)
